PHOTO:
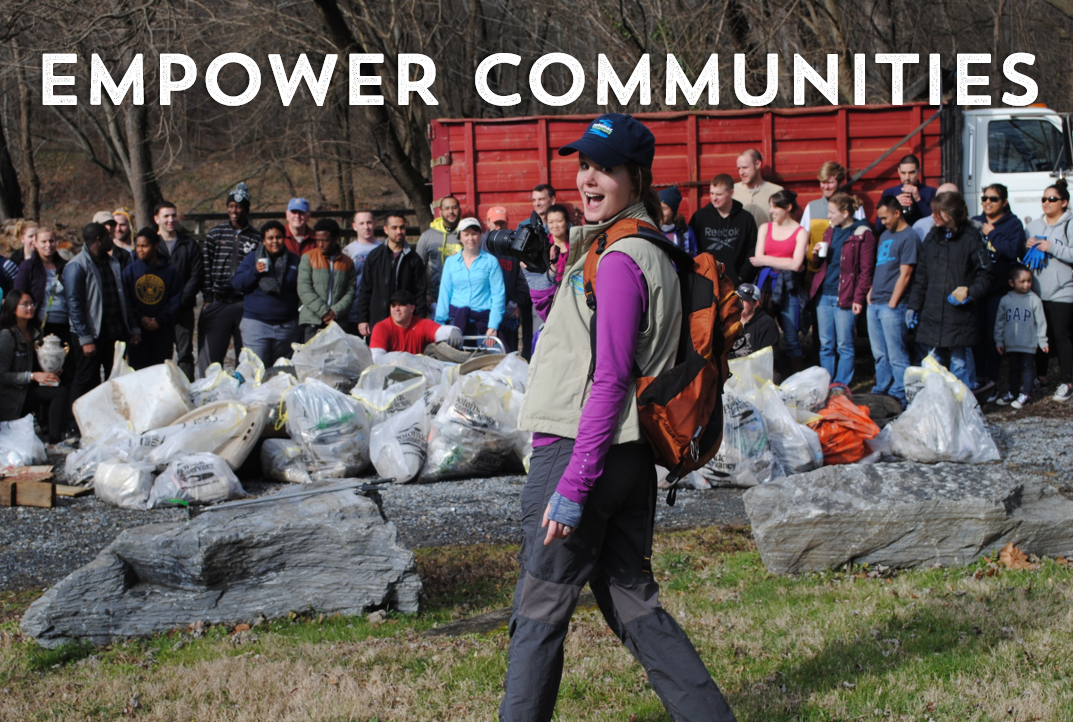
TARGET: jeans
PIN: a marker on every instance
(958, 360)
(1022, 372)
(836, 333)
(887, 332)
(789, 311)
(270, 342)
(1059, 318)
(88, 369)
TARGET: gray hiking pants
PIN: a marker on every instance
(611, 550)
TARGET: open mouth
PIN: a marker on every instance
(593, 201)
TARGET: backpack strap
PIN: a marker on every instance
(625, 228)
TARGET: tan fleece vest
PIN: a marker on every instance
(558, 377)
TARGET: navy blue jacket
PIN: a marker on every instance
(265, 307)
(1005, 244)
(153, 291)
(915, 212)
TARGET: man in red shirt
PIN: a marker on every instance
(403, 332)
(300, 239)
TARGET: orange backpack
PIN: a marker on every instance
(681, 409)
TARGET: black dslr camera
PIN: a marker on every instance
(529, 244)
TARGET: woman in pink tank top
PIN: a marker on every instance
(780, 257)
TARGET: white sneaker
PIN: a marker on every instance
(1021, 401)
(1063, 393)
(1006, 399)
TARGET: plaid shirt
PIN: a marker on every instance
(224, 250)
(112, 326)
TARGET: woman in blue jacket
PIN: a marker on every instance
(1004, 236)
(154, 294)
(472, 294)
(269, 279)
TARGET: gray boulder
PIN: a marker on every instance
(904, 515)
(328, 553)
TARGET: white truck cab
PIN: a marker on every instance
(1024, 149)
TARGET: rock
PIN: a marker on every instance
(904, 515)
(332, 553)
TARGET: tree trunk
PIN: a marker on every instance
(141, 176)
(390, 149)
(26, 145)
(10, 191)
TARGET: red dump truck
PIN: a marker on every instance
(498, 161)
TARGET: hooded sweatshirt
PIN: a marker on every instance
(1054, 282)
(732, 240)
(435, 246)
(153, 291)
(1005, 244)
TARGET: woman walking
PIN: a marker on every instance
(588, 507)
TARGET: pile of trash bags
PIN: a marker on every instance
(153, 439)
(773, 431)
(327, 413)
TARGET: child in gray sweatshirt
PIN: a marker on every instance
(1019, 327)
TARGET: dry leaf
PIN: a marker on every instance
(242, 628)
(1061, 561)
(1012, 557)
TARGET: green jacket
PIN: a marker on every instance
(322, 286)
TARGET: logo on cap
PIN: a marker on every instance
(601, 128)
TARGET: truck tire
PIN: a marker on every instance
(446, 352)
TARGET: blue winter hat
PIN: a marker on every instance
(614, 139)
(241, 194)
(672, 197)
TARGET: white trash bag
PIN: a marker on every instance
(387, 390)
(195, 479)
(284, 460)
(81, 466)
(126, 484)
(399, 444)
(745, 457)
(147, 399)
(433, 369)
(942, 423)
(204, 435)
(270, 393)
(475, 430)
(332, 428)
(796, 446)
(805, 392)
(19, 445)
(250, 369)
(332, 356)
(216, 385)
(752, 371)
(515, 368)
(120, 367)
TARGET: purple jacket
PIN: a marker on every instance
(857, 268)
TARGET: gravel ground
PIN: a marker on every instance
(40, 546)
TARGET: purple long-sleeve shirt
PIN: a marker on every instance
(621, 300)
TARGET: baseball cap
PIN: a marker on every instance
(497, 213)
(468, 223)
(614, 139)
(749, 292)
(103, 217)
(298, 204)
(404, 298)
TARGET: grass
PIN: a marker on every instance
(939, 644)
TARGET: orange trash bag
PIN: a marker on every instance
(843, 428)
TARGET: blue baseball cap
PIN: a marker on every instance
(614, 139)
(298, 204)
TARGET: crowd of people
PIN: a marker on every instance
(921, 277)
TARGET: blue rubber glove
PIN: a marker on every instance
(1035, 259)
(911, 318)
(954, 302)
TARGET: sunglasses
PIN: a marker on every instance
(1050, 199)
(990, 199)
